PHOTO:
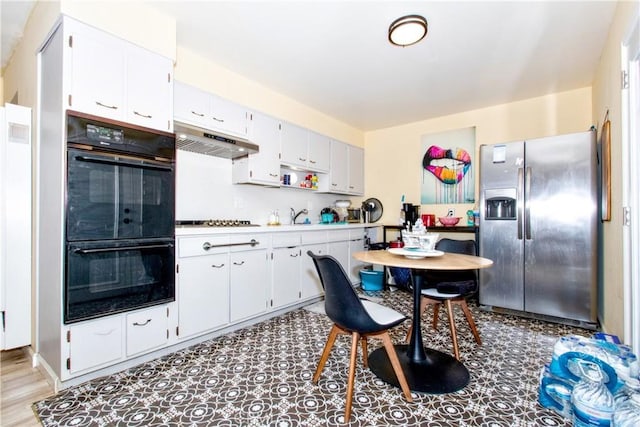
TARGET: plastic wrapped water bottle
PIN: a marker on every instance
(627, 414)
(591, 400)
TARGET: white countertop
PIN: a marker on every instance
(191, 230)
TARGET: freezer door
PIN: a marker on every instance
(561, 229)
(501, 285)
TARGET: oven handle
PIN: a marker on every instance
(121, 248)
(107, 161)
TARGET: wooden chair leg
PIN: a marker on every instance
(472, 325)
(352, 374)
(436, 313)
(325, 353)
(365, 352)
(395, 363)
(452, 327)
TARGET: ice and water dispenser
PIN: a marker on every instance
(500, 204)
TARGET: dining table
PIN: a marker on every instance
(427, 370)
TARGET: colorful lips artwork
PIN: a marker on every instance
(448, 171)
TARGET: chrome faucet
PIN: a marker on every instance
(295, 215)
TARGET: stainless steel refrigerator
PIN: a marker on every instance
(539, 224)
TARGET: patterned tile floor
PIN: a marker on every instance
(261, 376)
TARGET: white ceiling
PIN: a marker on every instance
(334, 55)
(13, 17)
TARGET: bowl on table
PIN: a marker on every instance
(449, 221)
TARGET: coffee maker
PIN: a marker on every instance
(410, 213)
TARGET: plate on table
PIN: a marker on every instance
(414, 253)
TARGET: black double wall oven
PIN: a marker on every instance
(120, 217)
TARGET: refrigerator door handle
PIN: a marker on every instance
(527, 208)
(520, 201)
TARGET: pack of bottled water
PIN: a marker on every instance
(592, 382)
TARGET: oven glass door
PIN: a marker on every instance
(112, 196)
(114, 276)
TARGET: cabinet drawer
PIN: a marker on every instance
(356, 234)
(195, 246)
(95, 343)
(311, 237)
(147, 329)
(338, 236)
(284, 240)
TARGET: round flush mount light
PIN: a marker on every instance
(407, 30)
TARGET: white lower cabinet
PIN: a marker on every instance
(249, 284)
(338, 247)
(94, 343)
(147, 329)
(203, 294)
(356, 244)
(285, 289)
(310, 285)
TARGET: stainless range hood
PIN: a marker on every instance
(212, 143)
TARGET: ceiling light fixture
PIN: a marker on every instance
(407, 30)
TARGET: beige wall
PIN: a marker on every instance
(197, 71)
(393, 157)
(607, 96)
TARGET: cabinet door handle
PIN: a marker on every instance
(142, 115)
(301, 159)
(113, 107)
(142, 324)
(217, 266)
(334, 185)
(105, 333)
(273, 174)
(238, 263)
(293, 255)
(218, 120)
(197, 114)
(312, 161)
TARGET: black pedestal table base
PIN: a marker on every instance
(438, 373)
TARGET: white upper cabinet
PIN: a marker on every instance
(319, 152)
(200, 108)
(110, 77)
(294, 142)
(97, 73)
(149, 90)
(304, 149)
(346, 174)
(262, 167)
(356, 171)
(339, 176)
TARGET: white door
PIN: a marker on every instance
(229, 117)
(631, 186)
(294, 141)
(203, 294)
(340, 251)
(310, 285)
(319, 152)
(149, 88)
(264, 166)
(356, 170)
(339, 167)
(191, 105)
(248, 284)
(97, 75)
(285, 288)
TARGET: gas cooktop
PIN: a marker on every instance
(216, 223)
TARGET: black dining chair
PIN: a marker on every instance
(451, 287)
(359, 318)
